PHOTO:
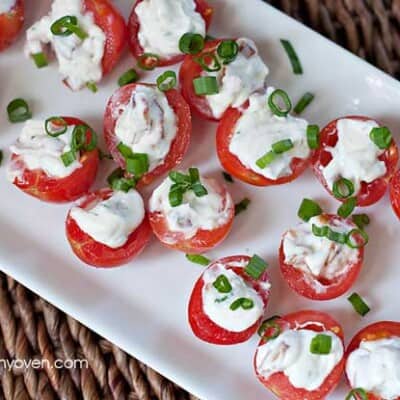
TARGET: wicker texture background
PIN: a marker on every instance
(32, 328)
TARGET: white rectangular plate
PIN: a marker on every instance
(142, 306)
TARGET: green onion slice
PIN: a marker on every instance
(282, 146)
(92, 86)
(381, 136)
(222, 284)
(303, 103)
(321, 344)
(208, 62)
(357, 238)
(308, 209)
(148, 61)
(357, 394)
(266, 159)
(175, 197)
(243, 302)
(256, 267)
(129, 76)
(68, 158)
(178, 177)
(338, 237)
(199, 190)
(205, 85)
(198, 259)
(166, 81)
(270, 329)
(55, 126)
(359, 305)
(320, 231)
(278, 110)
(66, 26)
(313, 136)
(343, 188)
(242, 206)
(227, 177)
(138, 164)
(191, 43)
(227, 50)
(361, 220)
(18, 111)
(346, 209)
(294, 59)
(118, 181)
(40, 60)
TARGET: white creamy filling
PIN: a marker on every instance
(111, 221)
(195, 213)
(239, 79)
(258, 129)
(375, 366)
(163, 22)
(6, 5)
(38, 150)
(216, 305)
(290, 353)
(147, 124)
(355, 156)
(79, 60)
(318, 256)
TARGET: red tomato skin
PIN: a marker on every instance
(234, 166)
(202, 241)
(279, 383)
(112, 23)
(202, 7)
(59, 190)
(370, 193)
(378, 330)
(97, 254)
(11, 24)
(297, 279)
(395, 193)
(207, 330)
(179, 146)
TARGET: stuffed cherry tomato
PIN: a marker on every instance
(211, 84)
(191, 213)
(317, 267)
(11, 21)
(156, 26)
(372, 362)
(152, 127)
(395, 193)
(87, 37)
(357, 158)
(54, 161)
(247, 138)
(108, 228)
(300, 356)
(229, 300)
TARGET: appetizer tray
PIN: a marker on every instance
(142, 307)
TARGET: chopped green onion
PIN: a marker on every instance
(205, 85)
(66, 26)
(294, 59)
(242, 206)
(228, 50)
(256, 267)
(208, 62)
(276, 95)
(243, 302)
(175, 197)
(79, 138)
(1, 157)
(40, 60)
(320, 231)
(381, 136)
(178, 177)
(191, 43)
(128, 77)
(338, 237)
(166, 81)
(137, 164)
(92, 87)
(93, 139)
(118, 181)
(222, 284)
(55, 126)
(303, 103)
(359, 305)
(68, 158)
(221, 299)
(125, 150)
(199, 190)
(266, 159)
(357, 238)
(313, 136)
(227, 177)
(282, 146)
(148, 61)
(198, 259)
(343, 188)
(361, 220)
(347, 207)
(357, 394)
(321, 344)
(308, 209)
(18, 111)
(267, 325)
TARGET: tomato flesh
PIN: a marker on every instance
(11, 24)
(395, 193)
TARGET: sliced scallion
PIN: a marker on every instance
(118, 181)
(68, 158)
(129, 76)
(198, 259)
(191, 43)
(308, 209)
(242, 206)
(313, 136)
(343, 188)
(92, 86)
(277, 109)
(282, 146)
(66, 26)
(256, 267)
(208, 62)
(205, 85)
(227, 50)
(359, 305)
(357, 238)
(268, 325)
(321, 344)
(148, 61)
(18, 111)
(303, 103)
(294, 59)
(361, 220)
(346, 209)
(55, 126)
(222, 284)
(166, 81)
(243, 302)
(357, 394)
(40, 60)
(381, 136)
(266, 159)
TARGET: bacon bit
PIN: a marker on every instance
(336, 329)
(208, 11)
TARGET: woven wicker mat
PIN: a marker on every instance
(31, 328)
